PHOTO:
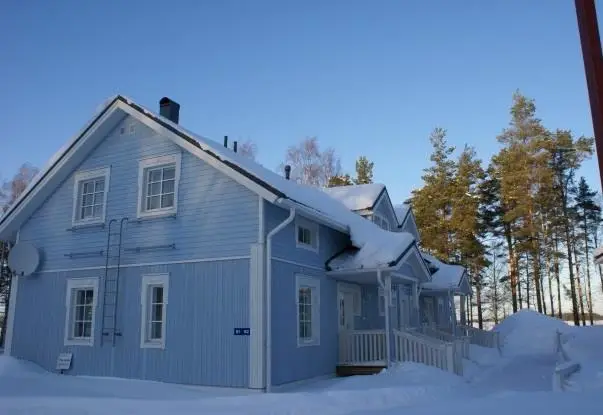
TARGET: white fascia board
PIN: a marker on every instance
(53, 168)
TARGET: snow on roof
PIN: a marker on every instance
(446, 277)
(357, 196)
(401, 212)
(377, 247)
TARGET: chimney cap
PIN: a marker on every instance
(287, 172)
(166, 101)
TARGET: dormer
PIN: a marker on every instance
(370, 201)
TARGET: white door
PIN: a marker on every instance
(346, 310)
(403, 311)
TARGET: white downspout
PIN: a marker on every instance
(268, 308)
(387, 294)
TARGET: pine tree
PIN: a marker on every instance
(587, 218)
(518, 165)
(340, 180)
(567, 154)
(364, 171)
(432, 204)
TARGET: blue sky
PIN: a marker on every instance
(367, 78)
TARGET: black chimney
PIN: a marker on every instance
(287, 172)
(169, 109)
(234, 146)
(226, 141)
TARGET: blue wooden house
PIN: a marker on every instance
(153, 253)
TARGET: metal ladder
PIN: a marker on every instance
(111, 283)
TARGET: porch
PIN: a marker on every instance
(365, 351)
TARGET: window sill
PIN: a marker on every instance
(306, 247)
(308, 343)
(81, 342)
(156, 215)
(76, 226)
(152, 345)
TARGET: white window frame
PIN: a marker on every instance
(72, 285)
(149, 281)
(314, 284)
(150, 163)
(84, 176)
(379, 219)
(314, 232)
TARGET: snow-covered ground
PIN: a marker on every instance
(518, 382)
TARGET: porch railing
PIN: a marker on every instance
(410, 347)
(462, 341)
(484, 338)
(362, 347)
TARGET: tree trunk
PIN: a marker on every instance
(589, 293)
(550, 280)
(570, 263)
(578, 281)
(512, 265)
(558, 279)
(528, 285)
(478, 299)
(596, 236)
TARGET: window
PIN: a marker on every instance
(306, 234)
(80, 304)
(90, 196)
(153, 300)
(158, 185)
(381, 221)
(308, 311)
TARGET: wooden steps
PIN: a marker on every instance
(353, 370)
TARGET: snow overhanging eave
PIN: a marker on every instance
(313, 214)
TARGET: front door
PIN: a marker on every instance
(403, 310)
(346, 310)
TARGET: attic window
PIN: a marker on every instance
(381, 221)
(306, 234)
(90, 196)
(158, 179)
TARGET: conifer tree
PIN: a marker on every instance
(340, 180)
(364, 171)
(587, 217)
(432, 204)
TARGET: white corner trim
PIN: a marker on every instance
(74, 283)
(148, 280)
(80, 176)
(172, 158)
(314, 284)
(257, 361)
(314, 229)
(256, 317)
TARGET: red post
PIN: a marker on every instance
(593, 68)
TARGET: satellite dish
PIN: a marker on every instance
(23, 259)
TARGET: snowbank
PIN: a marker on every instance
(584, 345)
(529, 332)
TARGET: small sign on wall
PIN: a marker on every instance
(242, 331)
(64, 361)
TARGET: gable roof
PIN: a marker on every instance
(379, 247)
(357, 196)
(402, 212)
(446, 276)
